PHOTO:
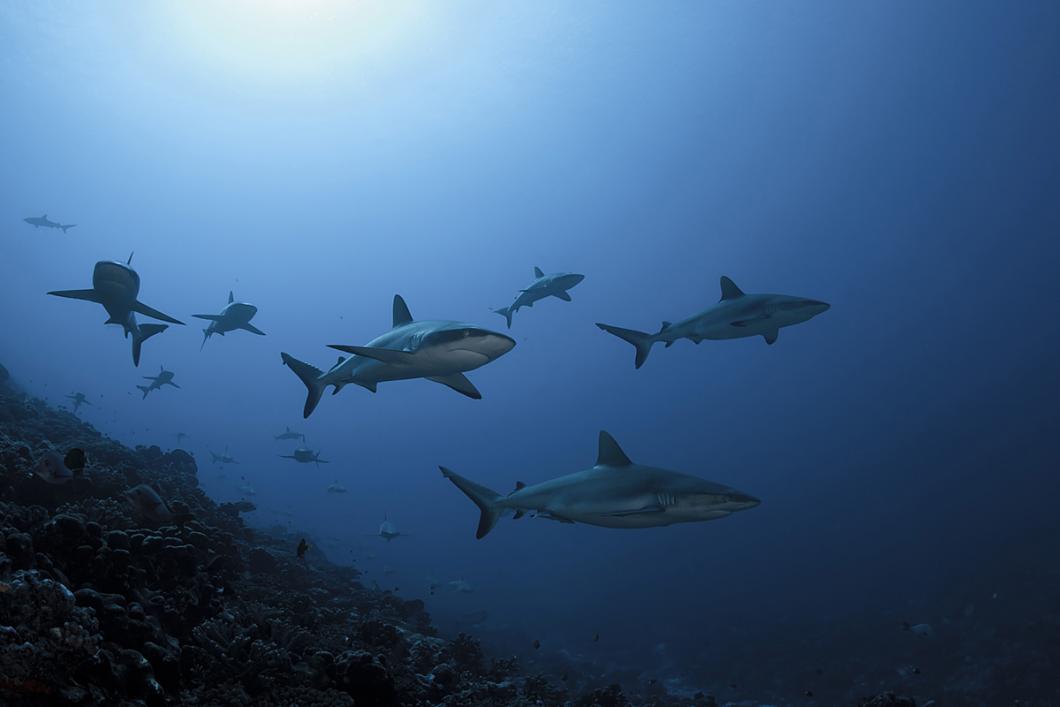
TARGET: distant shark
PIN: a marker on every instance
(43, 222)
(735, 316)
(551, 285)
(303, 455)
(164, 377)
(79, 400)
(388, 531)
(615, 493)
(288, 433)
(440, 351)
(115, 286)
(236, 315)
(222, 458)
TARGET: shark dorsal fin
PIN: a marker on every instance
(402, 315)
(537, 272)
(129, 261)
(665, 326)
(231, 297)
(519, 485)
(729, 290)
(610, 453)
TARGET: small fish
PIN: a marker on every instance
(51, 469)
(923, 630)
(148, 504)
(596, 638)
(303, 546)
(808, 693)
(536, 644)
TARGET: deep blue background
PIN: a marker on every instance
(898, 160)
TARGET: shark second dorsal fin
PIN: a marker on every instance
(231, 297)
(537, 272)
(610, 453)
(402, 315)
(729, 290)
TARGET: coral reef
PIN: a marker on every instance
(102, 606)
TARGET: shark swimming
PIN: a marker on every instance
(736, 315)
(164, 377)
(302, 455)
(222, 458)
(288, 433)
(79, 400)
(440, 351)
(115, 286)
(235, 315)
(614, 493)
(43, 222)
(551, 285)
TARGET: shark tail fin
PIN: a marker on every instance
(145, 389)
(144, 332)
(639, 339)
(485, 499)
(310, 376)
(505, 312)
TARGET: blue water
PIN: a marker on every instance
(898, 160)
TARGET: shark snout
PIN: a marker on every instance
(817, 307)
(743, 501)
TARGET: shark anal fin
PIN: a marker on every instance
(391, 356)
(402, 315)
(564, 295)
(771, 336)
(143, 309)
(252, 329)
(610, 453)
(89, 295)
(460, 383)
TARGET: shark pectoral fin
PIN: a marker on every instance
(564, 295)
(252, 329)
(646, 510)
(518, 514)
(750, 321)
(370, 385)
(459, 383)
(143, 309)
(90, 295)
(391, 356)
(771, 336)
(211, 317)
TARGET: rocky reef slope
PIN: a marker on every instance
(100, 606)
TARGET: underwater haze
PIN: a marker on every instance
(896, 160)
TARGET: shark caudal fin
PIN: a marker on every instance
(485, 499)
(310, 375)
(639, 339)
(142, 334)
(505, 312)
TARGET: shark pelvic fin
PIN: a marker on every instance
(402, 315)
(729, 290)
(771, 336)
(610, 453)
